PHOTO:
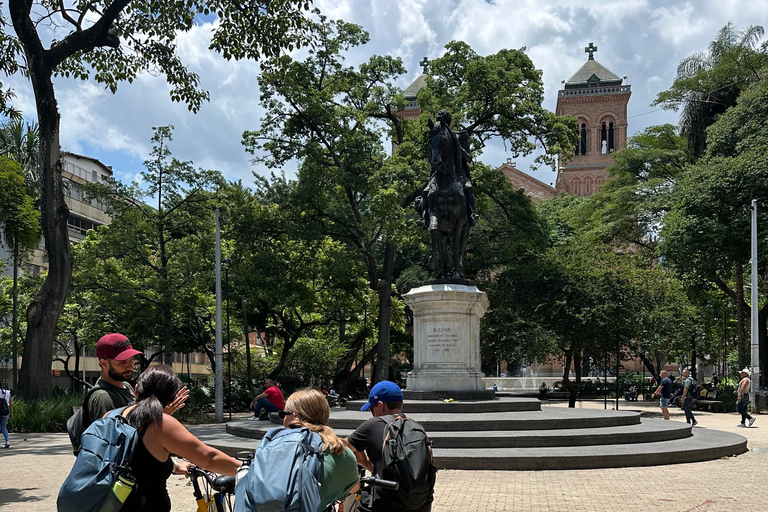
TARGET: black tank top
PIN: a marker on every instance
(151, 494)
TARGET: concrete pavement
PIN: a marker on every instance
(32, 471)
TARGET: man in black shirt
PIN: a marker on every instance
(116, 358)
(385, 398)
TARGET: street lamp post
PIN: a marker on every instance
(618, 363)
(218, 359)
(229, 338)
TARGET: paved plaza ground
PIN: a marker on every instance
(32, 471)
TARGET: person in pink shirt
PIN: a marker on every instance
(271, 399)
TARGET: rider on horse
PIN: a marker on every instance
(461, 140)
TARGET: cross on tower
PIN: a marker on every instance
(424, 63)
(591, 49)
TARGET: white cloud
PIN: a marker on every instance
(644, 39)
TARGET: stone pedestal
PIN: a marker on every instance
(446, 332)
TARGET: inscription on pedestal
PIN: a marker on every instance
(443, 339)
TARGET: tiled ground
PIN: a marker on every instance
(33, 469)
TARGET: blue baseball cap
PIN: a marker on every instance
(384, 391)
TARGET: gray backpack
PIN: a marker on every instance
(284, 474)
(80, 420)
(406, 458)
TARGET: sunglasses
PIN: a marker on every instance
(283, 414)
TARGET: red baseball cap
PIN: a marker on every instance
(115, 346)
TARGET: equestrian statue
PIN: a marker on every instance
(447, 205)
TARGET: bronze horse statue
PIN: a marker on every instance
(444, 206)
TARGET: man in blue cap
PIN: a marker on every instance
(385, 402)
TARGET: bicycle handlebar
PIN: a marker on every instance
(377, 482)
(220, 483)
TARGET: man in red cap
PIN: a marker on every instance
(112, 390)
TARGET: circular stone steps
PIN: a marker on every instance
(648, 431)
(514, 434)
(705, 444)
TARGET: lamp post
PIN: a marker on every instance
(229, 338)
(218, 360)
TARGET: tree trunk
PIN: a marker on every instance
(741, 315)
(44, 311)
(649, 364)
(385, 315)
(577, 357)
(567, 381)
(15, 315)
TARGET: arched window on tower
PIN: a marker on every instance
(583, 138)
(603, 136)
(610, 138)
(576, 187)
(588, 186)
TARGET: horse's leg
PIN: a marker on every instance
(462, 247)
(433, 261)
(445, 242)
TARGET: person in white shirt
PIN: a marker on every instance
(6, 413)
(743, 399)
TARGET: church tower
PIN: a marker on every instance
(598, 98)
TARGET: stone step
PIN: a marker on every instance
(704, 444)
(547, 420)
(522, 420)
(649, 431)
(506, 404)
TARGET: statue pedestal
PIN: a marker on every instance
(446, 332)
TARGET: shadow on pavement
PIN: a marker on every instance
(10, 496)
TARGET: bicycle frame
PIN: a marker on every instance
(220, 500)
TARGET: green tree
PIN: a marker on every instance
(708, 83)
(706, 234)
(335, 121)
(113, 41)
(20, 223)
(300, 285)
(155, 261)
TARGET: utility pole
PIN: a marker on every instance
(218, 359)
(247, 343)
(755, 355)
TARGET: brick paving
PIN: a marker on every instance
(32, 470)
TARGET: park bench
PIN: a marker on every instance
(561, 395)
(709, 403)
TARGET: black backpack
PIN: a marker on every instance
(694, 390)
(406, 458)
(4, 409)
(78, 422)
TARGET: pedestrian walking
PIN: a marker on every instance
(6, 413)
(665, 391)
(743, 399)
(688, 397)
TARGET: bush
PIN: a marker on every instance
(48, 415)
(197, 406)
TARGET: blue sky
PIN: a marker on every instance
(642, 39)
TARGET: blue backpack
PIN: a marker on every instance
(101, 480)
(284, 474)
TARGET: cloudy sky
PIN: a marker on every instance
(643, 39)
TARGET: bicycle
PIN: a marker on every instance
(369, 483)
(217, 492)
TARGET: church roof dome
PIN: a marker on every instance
(593, 72)
(412, 90)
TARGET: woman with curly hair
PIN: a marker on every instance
(309, 408)
(160, 435)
